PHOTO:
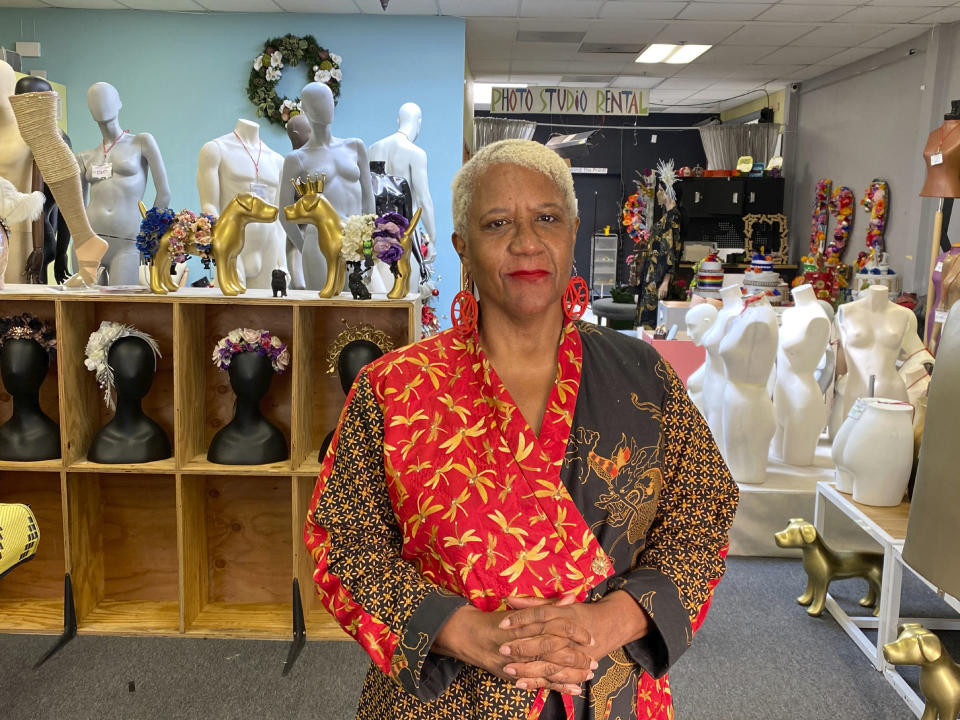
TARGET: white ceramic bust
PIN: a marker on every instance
(800, 406)
(16, 165)
(699, 319)
(114, 176)
(348, 186)
(714, 376)
(748, 349)
(241, 162)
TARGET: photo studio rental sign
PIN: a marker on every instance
(569, 101)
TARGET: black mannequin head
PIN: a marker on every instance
(24, 364)
(250, 376)
(134, 366)
(31, 84)
(354, 356)
(954, 113)
(378, 166)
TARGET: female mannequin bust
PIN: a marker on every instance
(872, 330)
(29, 434)
(800, 408)
(699, 319)
(16, 165)
(130, 436)
(235, 163)
(941, 155)
(249, 438)
(115, 175)
(748, 349)
(347, 186)
(714, 376)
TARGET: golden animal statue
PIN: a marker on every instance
(939, 674)
(227, 240)
(312, 208)
(824, 565)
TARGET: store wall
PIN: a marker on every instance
(183, 77)
(775, 100)
(854, 130)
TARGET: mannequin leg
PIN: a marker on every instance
(36, 115)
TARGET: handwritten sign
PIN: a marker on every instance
(569, 101)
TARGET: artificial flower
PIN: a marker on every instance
(258, 62)
(337, 75)
(276, 59)
(322, 76)
(336, 59)
(250, 340)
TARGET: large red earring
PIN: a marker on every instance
(463, 312)
(576, 298)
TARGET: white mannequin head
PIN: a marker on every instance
(103, 101)
(317, 103)
(699, 319)
(298, 130)
(409, 120)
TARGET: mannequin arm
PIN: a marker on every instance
(368, 202)
(155, 162)
(291, 170)
(421, 194)
(84, 185)
(208, 178)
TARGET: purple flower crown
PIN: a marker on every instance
(249, 340)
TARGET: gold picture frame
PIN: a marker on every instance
(779, 255)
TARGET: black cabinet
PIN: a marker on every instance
(707, 197)
(713, 208)
(764, 196)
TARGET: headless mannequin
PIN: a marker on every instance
(236, 163)
(249, 438)
(115, 176)
(130, 436)
(699, 319)
(355, 355)
(347, 186)
(298, 130)
(872, 330)
(748, 349)
(941, 155)
(946, 284)
(29, 434)
(16, 165)
(714, 376)
(800, 408)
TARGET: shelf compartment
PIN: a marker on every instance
(86, 412)
(31, 595)
(123, 542)
(236, 550)
(167, 466)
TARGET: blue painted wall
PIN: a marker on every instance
(183, 78)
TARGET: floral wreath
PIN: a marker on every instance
(356, 332)
(28, 327)
(875, 202)
(841, 204)
(818, 233)
(322, 66)
(98, 352)
(249, 340)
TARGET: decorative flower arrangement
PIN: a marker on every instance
(841, 204)
(249, 340)
(633, 218)
(321, 66)
(356, 230)
(818, 233)
(98, 351)
(388, 231)
(28, 327)
(152, 228)
(187, 226)
(875, 202)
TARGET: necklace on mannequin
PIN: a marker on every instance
(256, 187)
(104, 170)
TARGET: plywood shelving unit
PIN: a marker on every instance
(180, 547)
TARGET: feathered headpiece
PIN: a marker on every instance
(98, 353)
(668, 176)
(28, 327)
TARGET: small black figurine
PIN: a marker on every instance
(355, 281)
(278, 282)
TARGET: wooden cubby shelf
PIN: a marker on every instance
(180, 546)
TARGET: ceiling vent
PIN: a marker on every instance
(550, 36)
(612, 48)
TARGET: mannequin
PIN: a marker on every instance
(249, 438)
(655, 267)
(714, 377)
(946, 273)
(130, 436)
(699, 319)
(28, 435)
(749, 349)
(347, 187)
(872, 330)
(800, 409)
(114, 174)
(827, 367)
(298, 130)
(941, 155)
(16, 165)
(235, 163)
(355, 355)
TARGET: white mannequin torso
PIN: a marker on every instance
(16, 165)
(699, 319)
(714, 373)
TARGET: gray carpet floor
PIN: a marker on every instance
(758, 657)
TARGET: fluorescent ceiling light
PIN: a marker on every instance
(673, 54)
(483, 92)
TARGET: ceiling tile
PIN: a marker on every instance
(531, 79)
(245, 5)
(620, 31)
(488, 8)
(824, 2)
(491, 66)
(87, 4)
(549, 23)
(708, 96)
(732, 54)
(538, 66)
(709, 33)
(641, 11)
(738, 72)
(849, 56)
(691, 85)
(737, 86)
(397, 7)
(490, 78)
(724, 11)
(589, 64)
(799, 55)
(165, 5)
(543, 51)
(895, 36)
(482, 27)
(804, 13)
(629, 81)
(560, 8)
(668, 96)
(936, 3)
(25, 4)
(947, 15)
(810, 72)
(879, 14)
(840, 35)
(756, 34)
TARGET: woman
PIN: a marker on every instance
(526, 518)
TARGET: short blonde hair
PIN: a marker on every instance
(525, 153)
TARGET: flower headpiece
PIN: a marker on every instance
(249, 340)
(388, 231)
(356, 332)
(98, 352)
(152, 228)
(356, 229)
(667, 176)
(28, 327)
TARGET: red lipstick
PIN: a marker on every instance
(528, 274)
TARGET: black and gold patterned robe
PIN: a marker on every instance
(650, 266)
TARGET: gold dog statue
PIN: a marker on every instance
(227, 240)
(824, 565)
(939, 674)
(312, 208)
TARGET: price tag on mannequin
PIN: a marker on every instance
(936, 159)
(103, 171)
(940, 316)
(261, 190)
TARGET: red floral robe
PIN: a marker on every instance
(435, 492)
